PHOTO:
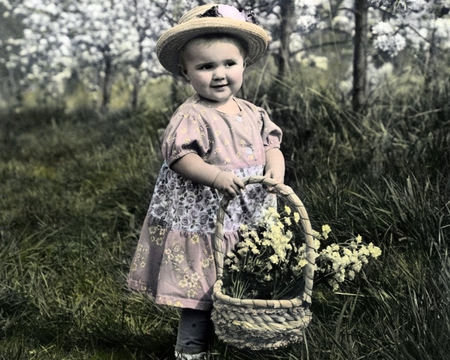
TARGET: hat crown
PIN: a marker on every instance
(194, 13)
(215, 10)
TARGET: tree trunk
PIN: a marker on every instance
(360, 56)
(287, 27)
(107, 82)
(135, 92)
(136, 86)
(137, 76)
(430, 69)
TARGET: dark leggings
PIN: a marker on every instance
(194, 331)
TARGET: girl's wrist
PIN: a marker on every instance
(215, 178)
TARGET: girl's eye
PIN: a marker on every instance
(230, 63)
(205, 67)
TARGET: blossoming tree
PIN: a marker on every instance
(424, 26)
(99, 41)
(92, 39)
(96, 40)
(393, 25)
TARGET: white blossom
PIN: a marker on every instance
(419, 25)
(390, 44)
(343, 23)
(62, 37)
(383, 28)
(442, 31)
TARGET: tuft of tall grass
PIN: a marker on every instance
(73, 197)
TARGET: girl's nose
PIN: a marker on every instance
(218, 75)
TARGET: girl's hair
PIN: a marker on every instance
(210, 38)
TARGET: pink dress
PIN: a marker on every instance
(174, 260)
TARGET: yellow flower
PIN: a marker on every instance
(351, 274)
(243, 251)
(326, 229)
(357, 267)
(235, 268)
(287, 210)
(302, 263)
(375, 251)
(274, 259)
(340, 276)
(243, 227)
(348, 252)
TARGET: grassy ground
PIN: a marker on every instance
(75, 189)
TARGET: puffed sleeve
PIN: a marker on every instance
(186, 133)
(270, 132)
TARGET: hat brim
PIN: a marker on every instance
(171, 42)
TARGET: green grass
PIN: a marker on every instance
(75, 189)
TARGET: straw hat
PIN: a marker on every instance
(210, 19)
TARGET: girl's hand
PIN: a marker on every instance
(274, 175)
(275, 165)
(228, 184)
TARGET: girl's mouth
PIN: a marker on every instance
(219, 86)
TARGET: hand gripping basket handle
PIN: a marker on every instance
(292, 199)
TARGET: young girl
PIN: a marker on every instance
(212, 141)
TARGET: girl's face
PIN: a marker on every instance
(215, 69)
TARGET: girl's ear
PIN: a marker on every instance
(245, 63)
(184, 73)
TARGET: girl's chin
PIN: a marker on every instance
(216, 101)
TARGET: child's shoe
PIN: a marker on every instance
(200, 356)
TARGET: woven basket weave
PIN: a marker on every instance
(263, 323)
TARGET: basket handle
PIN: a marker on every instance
(288, 194)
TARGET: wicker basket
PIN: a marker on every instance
(258, 323)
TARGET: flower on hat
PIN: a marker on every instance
(231, 12)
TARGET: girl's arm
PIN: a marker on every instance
(275, 165)
(192, 167)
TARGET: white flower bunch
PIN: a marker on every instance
(395, 5)
(265, 256)
(338, 262)
(387, 39)
(269, 260)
